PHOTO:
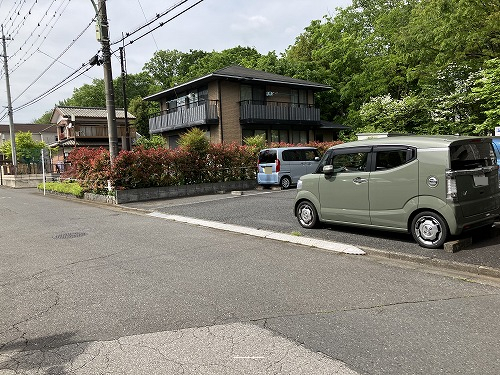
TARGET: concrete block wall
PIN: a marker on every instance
(139, 195)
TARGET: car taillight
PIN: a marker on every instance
(451, 187)
(278, 165)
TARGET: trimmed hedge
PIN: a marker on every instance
(156, 167)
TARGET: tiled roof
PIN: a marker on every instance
(91, 112)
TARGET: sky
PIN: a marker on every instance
(47, 41)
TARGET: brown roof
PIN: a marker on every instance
(33, 128)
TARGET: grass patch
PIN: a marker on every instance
(72, 188)
(296, 233)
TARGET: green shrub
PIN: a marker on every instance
(194, 140)
(65, 187)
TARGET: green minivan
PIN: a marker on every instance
(430, 186)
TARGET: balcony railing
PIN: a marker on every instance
(101, 131)
(95, 131)
(255, 111)
(198, 113)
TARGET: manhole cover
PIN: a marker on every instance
(65, 236)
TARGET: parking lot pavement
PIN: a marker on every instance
(272, 210)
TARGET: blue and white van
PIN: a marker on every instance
(284, 166)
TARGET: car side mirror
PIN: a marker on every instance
(328, 169)
(317, 158)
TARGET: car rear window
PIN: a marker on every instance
(267, 156)
(471, 155)
(300, 155)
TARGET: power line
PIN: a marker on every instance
(38, 24)
(53, 62)
(26, 16)
(50, 28)
(161, 24)
(158, 16)
(144, 14)
(56, 87)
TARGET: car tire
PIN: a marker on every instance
(429, 230)
(285, 182)
(307, 215)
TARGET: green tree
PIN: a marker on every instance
(486, 90)
(170, 67)
(27, 149)
(385, 114)
(155, 141)
(142, 110)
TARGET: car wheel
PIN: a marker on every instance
(285, 182)
(429, 230)
(307, 214)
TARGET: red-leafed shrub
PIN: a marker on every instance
(156, 167)
(91, 168)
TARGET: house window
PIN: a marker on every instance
(203, 94)
(298, 98)
(279, 136)
(252, 94)
(246, 94)
(299, 136)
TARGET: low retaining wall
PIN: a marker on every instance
(26, 180)
(146, 194)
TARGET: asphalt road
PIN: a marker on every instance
(273, 210)
(89, 289)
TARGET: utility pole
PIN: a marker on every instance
(9, 102)
(124, 89)
(103, 37)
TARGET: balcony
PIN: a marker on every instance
(198, 113)
(278, 113)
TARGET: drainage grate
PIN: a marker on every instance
(65, 236)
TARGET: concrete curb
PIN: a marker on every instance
(306, 241)
(447, 264)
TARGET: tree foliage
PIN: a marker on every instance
(423, 66)
(27, 149)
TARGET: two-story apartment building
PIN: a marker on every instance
(88, 127)
(233, 103)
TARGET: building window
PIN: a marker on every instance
(253, 94)
(299, 136)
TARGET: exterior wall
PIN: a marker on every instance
(280, 94)
(230, 111)
(215, 130)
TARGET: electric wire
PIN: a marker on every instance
(53, 62)
(56, 87)
(145, 18)
(38, 24)
(161, 24)
(77, 73)
(25, 18)
(50, 28)
(158, 16)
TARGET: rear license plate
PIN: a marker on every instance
(268, 170)
(480, 180)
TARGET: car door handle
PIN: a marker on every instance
(359, 180)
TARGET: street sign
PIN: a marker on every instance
(497, 131)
